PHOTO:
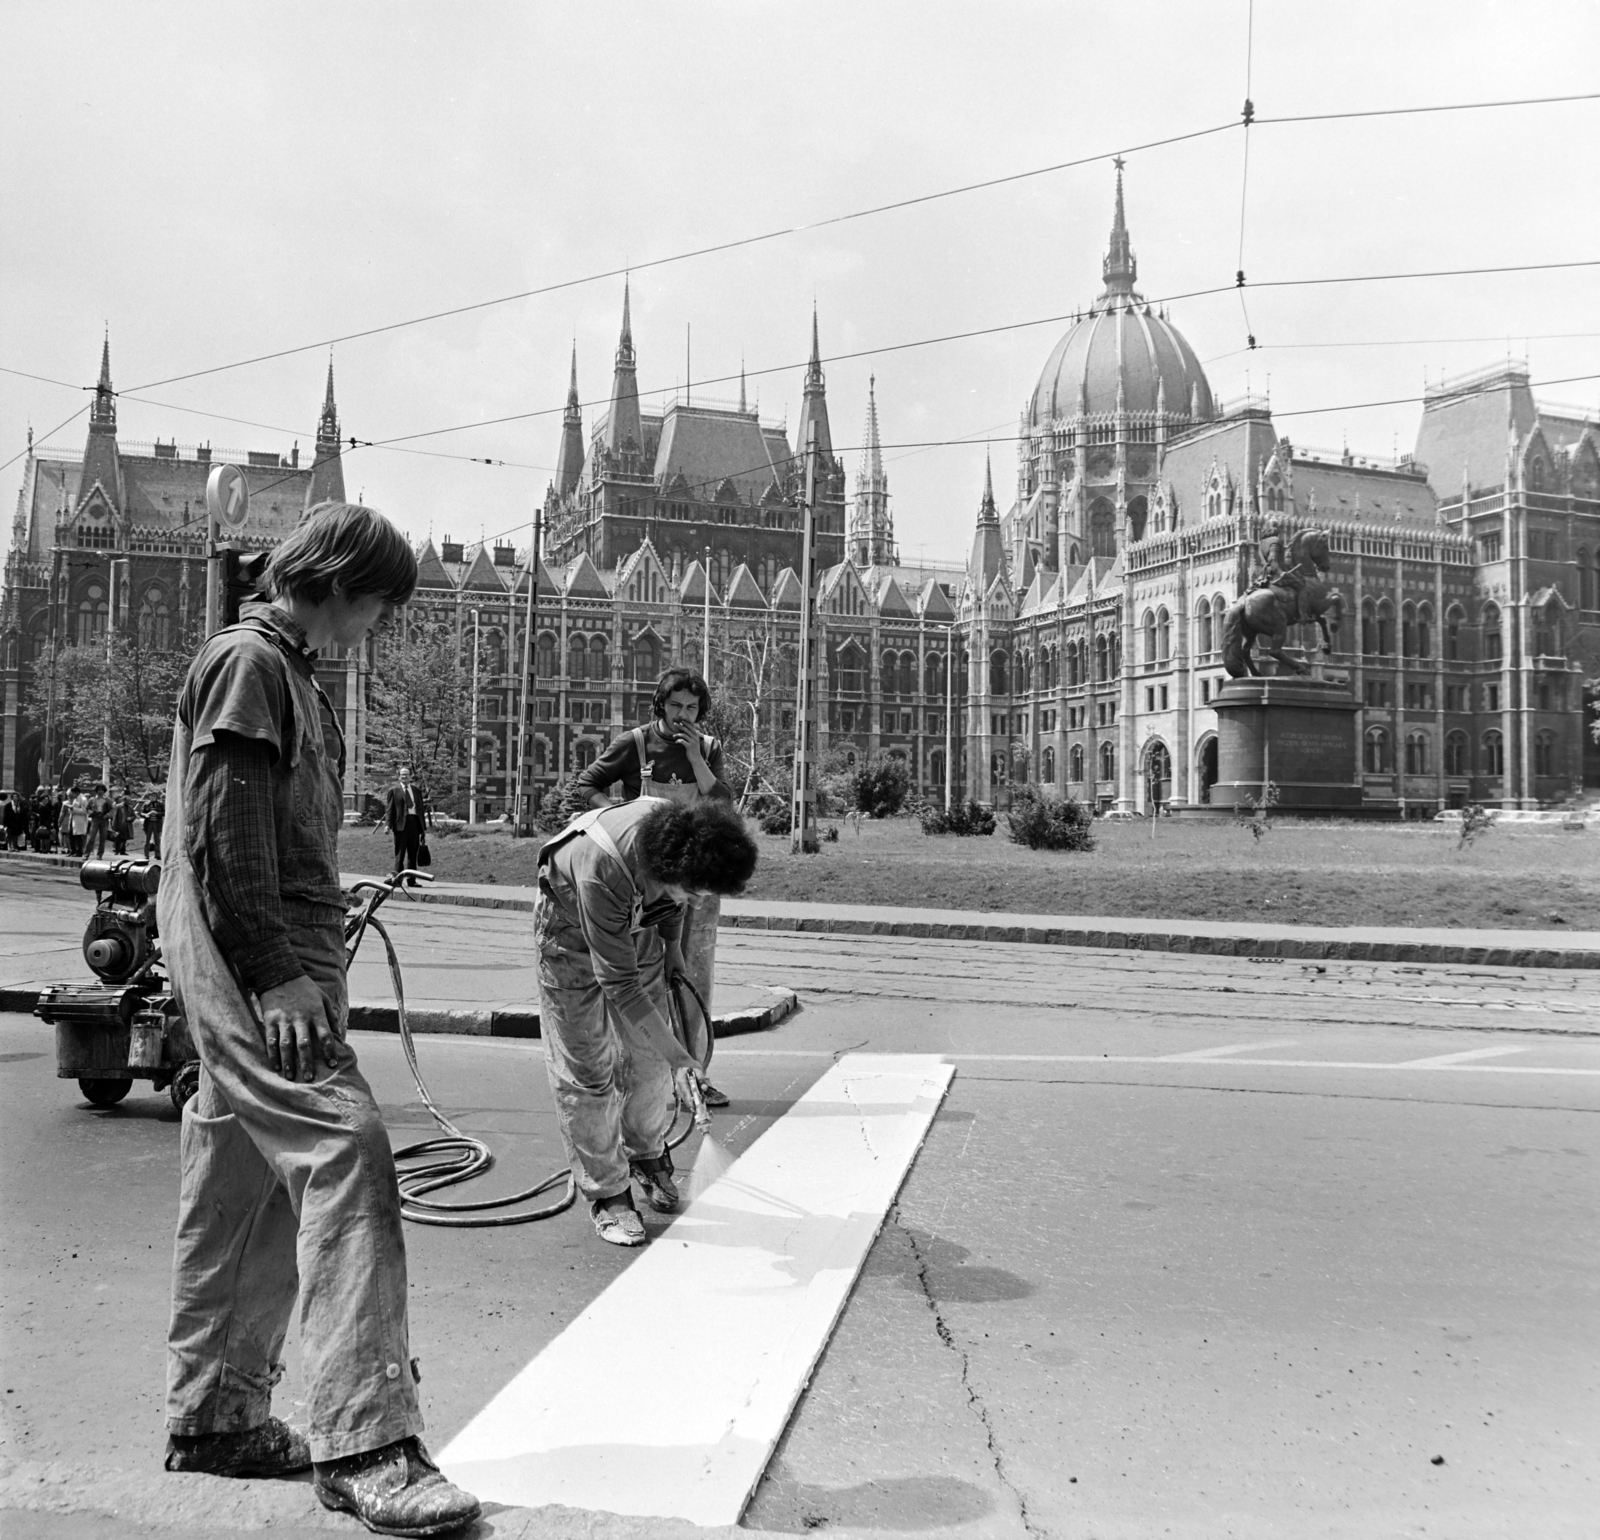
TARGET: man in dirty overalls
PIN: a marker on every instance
(288, 1182)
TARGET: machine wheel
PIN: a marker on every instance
(105, 1093)
(184, 1084)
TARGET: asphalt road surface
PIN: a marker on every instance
(1196, 1247)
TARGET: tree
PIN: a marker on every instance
(116, 700)
(746, 714)
(419, 701)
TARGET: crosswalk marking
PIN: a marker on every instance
(665, 1397)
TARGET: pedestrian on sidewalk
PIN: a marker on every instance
(669, 758)
(16, 821)
(607, 926)
(152, 814)
(75, 819)
(94, 844)
(408, 815)
(121, 821)
(288, 1183)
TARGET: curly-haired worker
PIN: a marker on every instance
(670, 758)
(288, 1185)
(607, 923)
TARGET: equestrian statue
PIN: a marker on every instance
(1288, 588)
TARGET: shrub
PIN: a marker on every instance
(778, 819)
(556, 807)
(880, 787)
(963, 818)
(1043, 822)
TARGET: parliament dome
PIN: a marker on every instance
(1122, 355)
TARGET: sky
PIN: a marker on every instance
(215, 183)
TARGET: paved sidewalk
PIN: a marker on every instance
(1221, 938)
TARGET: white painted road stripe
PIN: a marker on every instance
(1127, 1058)
(1220, 1053)
(1464, 1057)
(665, 1397)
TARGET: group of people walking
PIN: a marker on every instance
(81, 820)
(288, 1184)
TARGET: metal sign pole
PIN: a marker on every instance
(705, 626)
(803, 803)
(472, 748)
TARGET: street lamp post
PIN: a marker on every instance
(472, 746)
(949, 710)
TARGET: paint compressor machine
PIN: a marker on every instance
(127, 1026)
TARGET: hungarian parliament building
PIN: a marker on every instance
(1084, 623)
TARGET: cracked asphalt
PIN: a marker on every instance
(1195, 1247)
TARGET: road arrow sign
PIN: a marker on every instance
(228, 496)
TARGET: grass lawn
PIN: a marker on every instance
(1297, 873)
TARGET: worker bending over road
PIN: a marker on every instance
(608, 926)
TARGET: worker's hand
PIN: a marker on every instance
(688, 734)
(675, 962)
(689, 1083)
(296, 1020)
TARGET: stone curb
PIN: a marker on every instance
(485, 1022)
(1303, 946)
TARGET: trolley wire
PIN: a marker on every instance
(892, 206)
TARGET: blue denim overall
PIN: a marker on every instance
(288, 1187)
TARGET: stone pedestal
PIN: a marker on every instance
(1299, 734)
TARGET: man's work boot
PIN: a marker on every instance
(396, 1490)
(655, 1182)
(616, 1220)
(273, 1449)
(713, 1097)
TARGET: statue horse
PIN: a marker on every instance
(1292, 589)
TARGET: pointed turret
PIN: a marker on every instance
(327, 469)
(814, 408)
(1120, 268)
(102, 463)
(872, 526)
(988, 551)
(569, 459)
(624, 434)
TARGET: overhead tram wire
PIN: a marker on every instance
(969, 442)
(1007, 326)
(1247, 116)
(1405, 342)
(398, 440)
(893, 206)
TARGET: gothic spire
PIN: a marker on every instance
(569, 459)
(624, 432)
(988, 554)
(872, 527)
(814, 408)
(103, 414)
(1120, 268)
(742, 406)
(326, 483)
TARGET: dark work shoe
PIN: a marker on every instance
(714, 1097)
(273, 1449)
(655, 1182)
(616, 1220)
(396, 1490)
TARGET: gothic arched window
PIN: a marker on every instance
(1075, 764)
(1416, 753)
(1455, 754)
(577, 657)
(1494, 754)
(1493, 645)
(1544, 752)
(999, 672)
(1149, 636)
(933, 675)
(1369, 628)
(1108, 761)
(1048, 773)
(908, 673)
(1376, 758)
(1385, 629)
(1163, 636)
(1103, 529)
(1454, 618)
(1424, 630)
(1202, 629)
(1408, 631)
(600, 659)
(889, 684)
(1102, 659)
(545, 656)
